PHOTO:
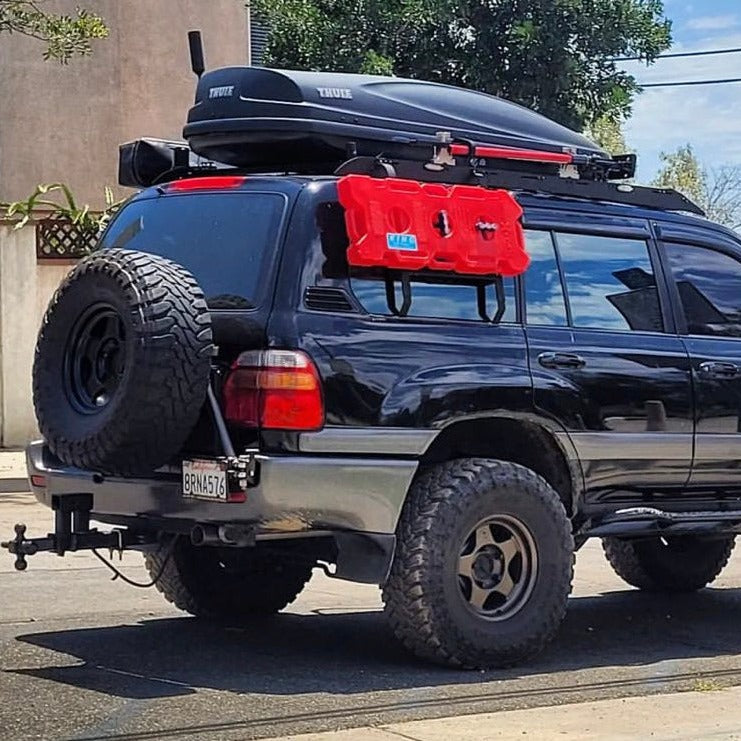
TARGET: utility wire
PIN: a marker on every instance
(684, 83)
(675, 55)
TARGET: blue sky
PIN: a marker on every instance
(706, 116)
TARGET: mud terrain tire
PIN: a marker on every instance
(228, 583)
(478, 514)
(678, 564)
(122, 363)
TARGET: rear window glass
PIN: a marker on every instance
(224, 239)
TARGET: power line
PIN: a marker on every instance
(684, 83)
(675, 55)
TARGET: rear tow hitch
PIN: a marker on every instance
(72, 532)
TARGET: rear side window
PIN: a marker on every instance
(709, 286)
(545, 300)
(225, 239)
(443, 300)
(610, 283)
(434, 295)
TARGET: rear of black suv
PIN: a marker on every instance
(444, 436)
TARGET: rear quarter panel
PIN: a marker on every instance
(382, 371)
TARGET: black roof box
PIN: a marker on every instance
(311, 121)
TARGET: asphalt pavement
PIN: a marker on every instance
(85, 658)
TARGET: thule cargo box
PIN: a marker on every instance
(311, 121)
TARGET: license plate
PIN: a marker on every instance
(204, 479)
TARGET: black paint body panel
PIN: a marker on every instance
(629, 420)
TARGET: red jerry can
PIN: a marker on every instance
(406, 225)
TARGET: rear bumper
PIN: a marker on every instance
(295, 494)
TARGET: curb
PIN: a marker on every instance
(14, 485)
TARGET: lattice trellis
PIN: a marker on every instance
(58, 238)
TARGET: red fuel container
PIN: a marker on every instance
(406, 225)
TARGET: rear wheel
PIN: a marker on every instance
(483, 566)
(228, 583)
(677, 564)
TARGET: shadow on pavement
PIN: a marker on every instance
(355, 652)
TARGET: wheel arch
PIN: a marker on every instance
(527, 441)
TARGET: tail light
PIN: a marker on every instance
(275, 390)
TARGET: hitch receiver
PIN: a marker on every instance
(71, 532)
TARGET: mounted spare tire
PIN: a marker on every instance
(122, 363)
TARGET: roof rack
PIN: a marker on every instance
(146, 162)
(553, 173)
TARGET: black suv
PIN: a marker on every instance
(243, 404)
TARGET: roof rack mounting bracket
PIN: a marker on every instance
(483, 173)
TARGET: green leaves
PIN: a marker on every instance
(66, 207)
(376, 64)
(344, 35)
(607, 133)
(717, 191)
(65, 36)
(550, 55)
(682, 170)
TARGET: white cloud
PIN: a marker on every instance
(706, 116)
(712, 23)
(666, 118)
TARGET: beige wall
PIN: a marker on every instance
(25, 289)
(64, 123)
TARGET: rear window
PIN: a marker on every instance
(225, 239)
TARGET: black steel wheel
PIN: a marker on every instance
(94, 358)
(122, 363)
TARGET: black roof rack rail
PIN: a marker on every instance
(146, 162)
(494, 174)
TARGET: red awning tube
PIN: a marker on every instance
(509, 153)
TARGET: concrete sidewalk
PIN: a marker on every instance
(689, 716)
(13, 471)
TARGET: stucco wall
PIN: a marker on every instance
(64, 123)
(25, 289)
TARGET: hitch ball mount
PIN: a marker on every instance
(71, 532)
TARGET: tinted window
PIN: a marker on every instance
(545, 302)
(436, 300)
(610, 283)
(222, 238)
(709, 285)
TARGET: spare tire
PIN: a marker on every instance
(122, 363)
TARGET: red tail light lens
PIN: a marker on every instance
(275, 390)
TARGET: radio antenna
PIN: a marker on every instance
(196, 53)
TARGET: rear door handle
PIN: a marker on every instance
(717, 369)
(561, 360)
